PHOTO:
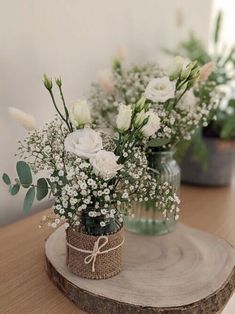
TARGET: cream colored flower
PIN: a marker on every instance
(123, 120)
(105, 164)
(27, 120)
(160, 89)
(85, 143)
(152, 125)
(79, 113)
(188, 102)
(206, 71)
(105, 80)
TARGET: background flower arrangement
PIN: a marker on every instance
(170, 92)
(222, 60)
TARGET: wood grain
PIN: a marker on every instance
(187, 271)
(25, 287)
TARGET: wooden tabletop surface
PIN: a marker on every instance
(24, 285)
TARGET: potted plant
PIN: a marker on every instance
(92, 177)
(209, 159)
(172, 94)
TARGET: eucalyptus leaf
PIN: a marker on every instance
(14, 189)
(29, 198)
(24, 173)
(42, 188)
(6, 179)
(156, 142)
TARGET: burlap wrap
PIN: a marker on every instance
(106, 265)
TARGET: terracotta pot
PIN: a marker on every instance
(220, 164)
(94, 257)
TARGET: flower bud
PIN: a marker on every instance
(124, 117)
(58, 82)
(79, 113)
(140, 105)
(47, 82)
(139, 119)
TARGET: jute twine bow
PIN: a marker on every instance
(96, 250)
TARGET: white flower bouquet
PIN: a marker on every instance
(92, 176)
(179, 94)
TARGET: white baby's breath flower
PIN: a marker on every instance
(84, 143)
(105, 81)
(124, 117)
(160, 89)
(152, 125)
(27, 120)
(79, 113)
(105, 164)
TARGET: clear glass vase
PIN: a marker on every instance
(158, 216)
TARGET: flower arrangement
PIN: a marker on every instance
(92, 175)
(222, 60)
(174, 94)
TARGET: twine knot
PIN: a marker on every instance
(96, 251)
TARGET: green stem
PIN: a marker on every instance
(65, 109)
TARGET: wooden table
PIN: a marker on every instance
(24, 285)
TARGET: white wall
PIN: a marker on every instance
(75, 38)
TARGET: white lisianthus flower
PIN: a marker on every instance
(105, 80)
(79, 113)
(123, 120)
(85, 143)
(176, 66)
(160, 89)
(27, 120)
(152, 125)
(105, 164)
(188, 102)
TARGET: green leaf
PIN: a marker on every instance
(24, 173)
(6, 179)
(156, 142)
(231, 103)
(217, 27)
(14, 189)
(29, 198)
(228, 130)
(42, 189)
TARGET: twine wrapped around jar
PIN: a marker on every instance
(94, 257)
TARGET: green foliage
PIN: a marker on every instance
(14, 189)
(157, 142)
(29, 198)
(42, 189)
(217, 27)
(6, 179)
(24, 173)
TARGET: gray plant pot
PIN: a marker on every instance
(220, 164)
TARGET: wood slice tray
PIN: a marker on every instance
(187, 271)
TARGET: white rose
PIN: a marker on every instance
(176, 66)
(123, 120)
(105, 164)
(85, 143)
(160, 89)
(79, 113)
(152, 125)
(188, 102)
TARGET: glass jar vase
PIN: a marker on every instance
(158, 216)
